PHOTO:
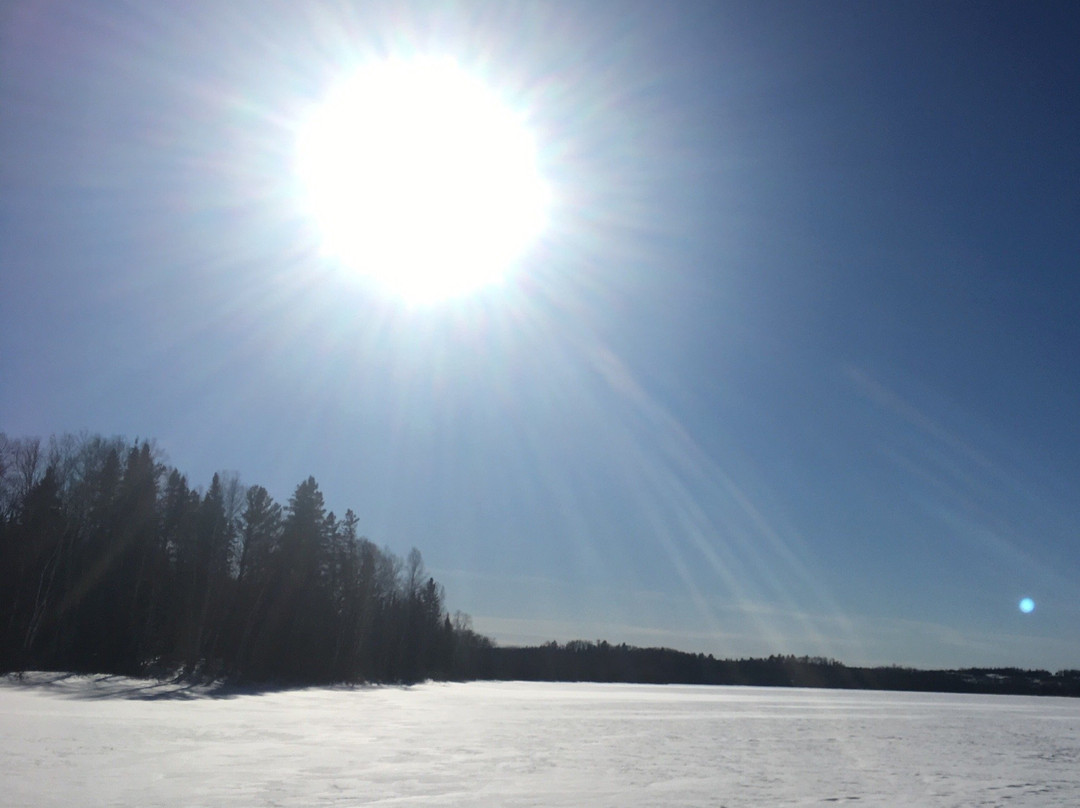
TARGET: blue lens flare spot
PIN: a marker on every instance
(1027, 605)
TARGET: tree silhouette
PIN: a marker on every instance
(110, 561)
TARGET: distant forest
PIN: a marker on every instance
(583, 661)
(111, 562)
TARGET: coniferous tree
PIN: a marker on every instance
(141, 556)
(34, 540)
(260, 535)
(213, 543)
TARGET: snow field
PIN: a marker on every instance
(106, 741)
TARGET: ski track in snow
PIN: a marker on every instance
(107, 741)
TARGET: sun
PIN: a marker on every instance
(418, 176)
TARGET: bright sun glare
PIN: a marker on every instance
(418, 176)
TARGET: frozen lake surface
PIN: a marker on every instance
(105, 741)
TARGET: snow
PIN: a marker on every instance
(106, 741)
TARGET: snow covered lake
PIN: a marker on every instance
(105, 741)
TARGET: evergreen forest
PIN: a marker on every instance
(112, 562)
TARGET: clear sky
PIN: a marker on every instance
(793, 367)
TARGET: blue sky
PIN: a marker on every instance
(793, 368)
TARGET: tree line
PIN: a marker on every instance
(110, 561)
(585, 661)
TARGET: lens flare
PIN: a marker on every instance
(1027, 605)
